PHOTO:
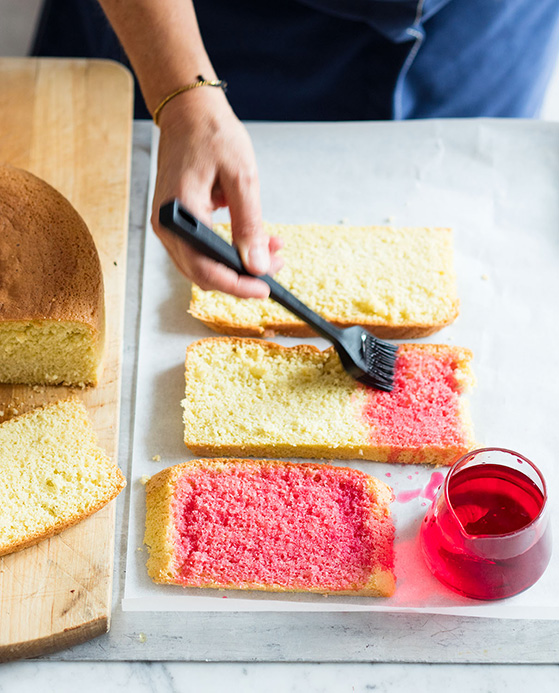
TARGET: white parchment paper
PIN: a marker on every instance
(496, 183)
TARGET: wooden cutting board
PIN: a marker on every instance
(70, 122)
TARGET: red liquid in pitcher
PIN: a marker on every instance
(489, 500)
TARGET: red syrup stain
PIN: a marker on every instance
(429, 491)
(407, 496)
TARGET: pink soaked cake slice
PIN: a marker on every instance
(424, 418)
(270, 525)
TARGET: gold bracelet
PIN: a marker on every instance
(201, 82)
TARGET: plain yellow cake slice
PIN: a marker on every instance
(52, 318)
(52, 474)
(399, 283)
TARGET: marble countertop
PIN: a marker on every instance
(274, 651)
(171, 677)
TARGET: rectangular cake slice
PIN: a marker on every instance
(52, 473)
(399, 283)
(248, 397)
(270, 525)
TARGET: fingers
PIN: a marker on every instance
(276, 261)
(242, 193)
(207, 168)
(210, 275)
(276, 243)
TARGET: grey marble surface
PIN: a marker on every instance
(159, 677)
(244, 649)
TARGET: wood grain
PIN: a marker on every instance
(70, 122)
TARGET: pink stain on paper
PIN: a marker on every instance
(429, 491)
(407, 496)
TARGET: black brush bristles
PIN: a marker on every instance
(380, 361)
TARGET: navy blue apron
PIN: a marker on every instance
(351, 59)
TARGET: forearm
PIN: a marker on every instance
(205, 157)
(163, 43)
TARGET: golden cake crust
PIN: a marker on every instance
(296, 328)
(49, 265)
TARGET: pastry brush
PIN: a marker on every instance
(368, 359)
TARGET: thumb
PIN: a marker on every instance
(246, 224)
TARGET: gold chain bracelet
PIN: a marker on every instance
(201, 82)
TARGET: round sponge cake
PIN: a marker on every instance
(51, 286)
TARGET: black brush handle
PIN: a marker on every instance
(176, 218)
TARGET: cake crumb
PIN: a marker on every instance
(140, 548)
(142, 637)
(156, 458)
(144, 479)
(484, 277)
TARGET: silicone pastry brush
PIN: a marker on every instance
(368, 359)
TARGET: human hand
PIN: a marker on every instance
(206, 160)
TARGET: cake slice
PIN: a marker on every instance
(270, 525)
(52, 313)
(247, 397)
(399, 283)
(52, 474)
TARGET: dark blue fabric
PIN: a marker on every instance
(286, 61)
(392, 18)
(484, 57)
(352, 59)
